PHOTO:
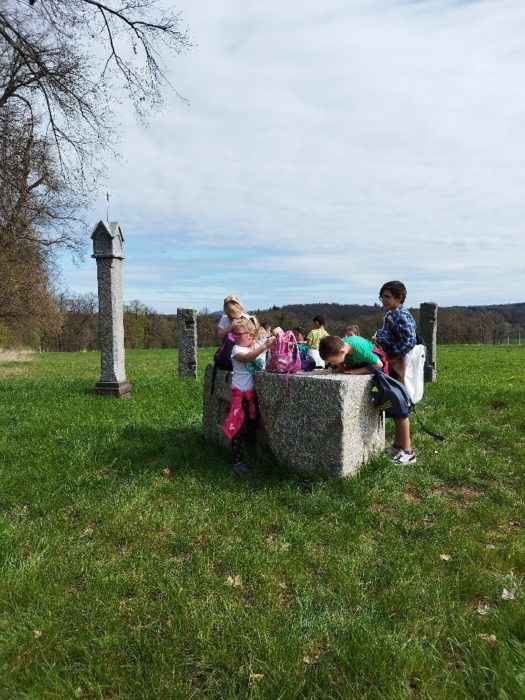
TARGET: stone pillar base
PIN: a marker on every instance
(114, 388)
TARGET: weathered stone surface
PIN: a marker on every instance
(107, 250)
(320, 420)
(187, 327)
(312, 420)
(216, 404)
(428, 312)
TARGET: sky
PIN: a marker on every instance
(326, 148)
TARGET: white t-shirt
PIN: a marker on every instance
(243, 371)
(225, 321)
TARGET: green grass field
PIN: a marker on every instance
(133, 565)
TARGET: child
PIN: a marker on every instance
(248, 356)
(318, 332)
(352, 330)
(233, 309)
(397, 336)
(351, 354)
(300, 335)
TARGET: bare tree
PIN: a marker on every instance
(63, 60)
(62, 63)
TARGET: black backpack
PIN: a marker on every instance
(222, 358)
(390, 395)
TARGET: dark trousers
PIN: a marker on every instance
(245, 438)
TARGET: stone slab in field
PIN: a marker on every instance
(313, 421)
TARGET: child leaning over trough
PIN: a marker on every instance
(248, 356)
(351, 350)
(351, 354)
(396, 337)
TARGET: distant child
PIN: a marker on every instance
(313, 338)
(352, 330)
(300, 335)
(351, 354)
(397, 336)
(318, 332)
(248, 356)
(233, 309)
(267, 327)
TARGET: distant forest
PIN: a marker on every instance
(73, 325)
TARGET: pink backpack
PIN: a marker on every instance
(283, 356)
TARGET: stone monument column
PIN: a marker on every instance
(187, 327)
(428, 331)
(107, 251)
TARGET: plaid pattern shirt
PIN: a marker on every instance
(397, 335)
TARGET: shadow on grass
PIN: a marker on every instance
(184, 451)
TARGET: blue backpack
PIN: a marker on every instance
(391, 396)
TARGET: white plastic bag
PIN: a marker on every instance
(415, 372)
(316, 356)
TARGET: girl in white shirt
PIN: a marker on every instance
(248, 356)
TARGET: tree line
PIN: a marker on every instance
(72, 324)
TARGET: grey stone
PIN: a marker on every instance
(187, 327)
(313, 421)
(107, 250)
(216, 404)
(428, 312)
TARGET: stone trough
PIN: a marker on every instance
(313, 421)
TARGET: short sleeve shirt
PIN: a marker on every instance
(315, 336)
(362, 351)
(243, 371)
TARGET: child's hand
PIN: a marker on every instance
(270, 341)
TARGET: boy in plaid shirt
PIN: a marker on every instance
(396, 337)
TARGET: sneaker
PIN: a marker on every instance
(403, 457)
(392, 449)
(240, 469)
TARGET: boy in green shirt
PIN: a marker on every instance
(351, 354)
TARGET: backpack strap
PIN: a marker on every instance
(213, 377)
(436, 436)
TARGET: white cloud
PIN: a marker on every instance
(329, 147)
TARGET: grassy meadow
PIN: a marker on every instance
(134, 565)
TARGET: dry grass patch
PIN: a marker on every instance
(11, 371)
(15, 356)
(460, 496)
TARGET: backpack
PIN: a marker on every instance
(307, 363)
(223, 357)
(283, 356)
(389, 395)
(415, 372)
(392, 397)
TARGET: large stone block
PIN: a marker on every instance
(313, 421)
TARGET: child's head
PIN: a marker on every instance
(300, 334)
(233, 307)
(332, 349)
(247, 327)
(394, 289)
(352, 330)
(318, 320)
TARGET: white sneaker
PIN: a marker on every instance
(403, 457)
